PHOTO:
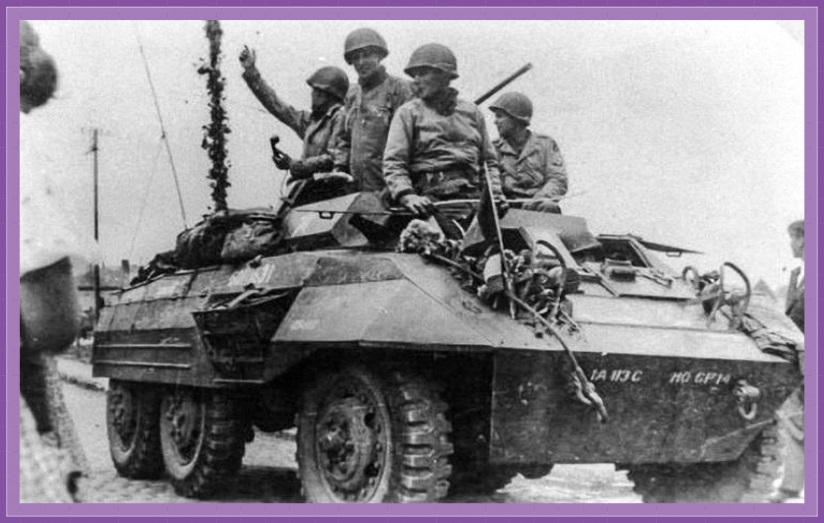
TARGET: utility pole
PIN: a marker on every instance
(94, 151)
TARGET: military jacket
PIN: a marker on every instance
(795, 299)
(538, 172)
(315, 131)
(361, 140)
(424, 147)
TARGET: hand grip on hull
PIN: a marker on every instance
(747, 398)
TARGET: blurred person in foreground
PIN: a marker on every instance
(792, 412)
(51, 461)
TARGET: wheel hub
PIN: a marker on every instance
(350, 441)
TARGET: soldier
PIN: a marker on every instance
(329, 87)
(531, 163)
(792, 413)
(370, 106)
(438, 145)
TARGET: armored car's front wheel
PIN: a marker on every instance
(202, 437)
(364, 439)
(132, 426)
(748, 479)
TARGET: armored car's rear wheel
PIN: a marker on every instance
(202, 437)
(363, 439)
(132, 425)
(748, 479)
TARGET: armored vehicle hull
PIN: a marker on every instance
(405, 386)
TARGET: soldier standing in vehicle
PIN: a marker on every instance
(329, 87)
(792, 413)
(370, 107)
(531, 164)
(438, 144)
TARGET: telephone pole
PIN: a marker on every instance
(94, 151)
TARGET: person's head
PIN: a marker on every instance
(364, 49)
(329, 85)
(796, 230)
(513, 113)
(38, 73)
(432, 67)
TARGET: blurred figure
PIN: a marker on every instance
(531, 164)
(370, 106)
(438, 145)
(50, 458)
(792, 412)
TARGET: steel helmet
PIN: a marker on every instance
(516, 105)
(361, 39)
(330, 79)
(433, 55)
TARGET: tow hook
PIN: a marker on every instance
(747, 398)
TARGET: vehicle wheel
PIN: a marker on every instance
(748, 479)
(202, 437)
(132, 416)
(366, 440)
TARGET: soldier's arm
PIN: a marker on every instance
(555, 174)
(340, 143)
(297, 120)
(397, 155)
(324, 162)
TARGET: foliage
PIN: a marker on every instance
(214, 139)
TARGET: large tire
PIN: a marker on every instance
(748, 479)
(362, 439)
(132, 418)
(202, 437)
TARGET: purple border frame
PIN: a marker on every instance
(16, 10)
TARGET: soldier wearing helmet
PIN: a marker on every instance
(531, 163)
(316, 127)
(370, 106)
(438, 144)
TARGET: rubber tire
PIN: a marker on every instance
(220, 447)
(748, 479)
(417, 458)
(140, 458)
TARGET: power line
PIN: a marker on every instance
(145, 198)
(163, 136)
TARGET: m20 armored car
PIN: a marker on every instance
(413, 375)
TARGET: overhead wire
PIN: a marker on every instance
(145, 197)
(164, 136)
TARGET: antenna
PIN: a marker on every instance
(163, 135)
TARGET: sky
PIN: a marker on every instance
(689, 133)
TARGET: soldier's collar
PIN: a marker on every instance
(445, 103)
(375, 79)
